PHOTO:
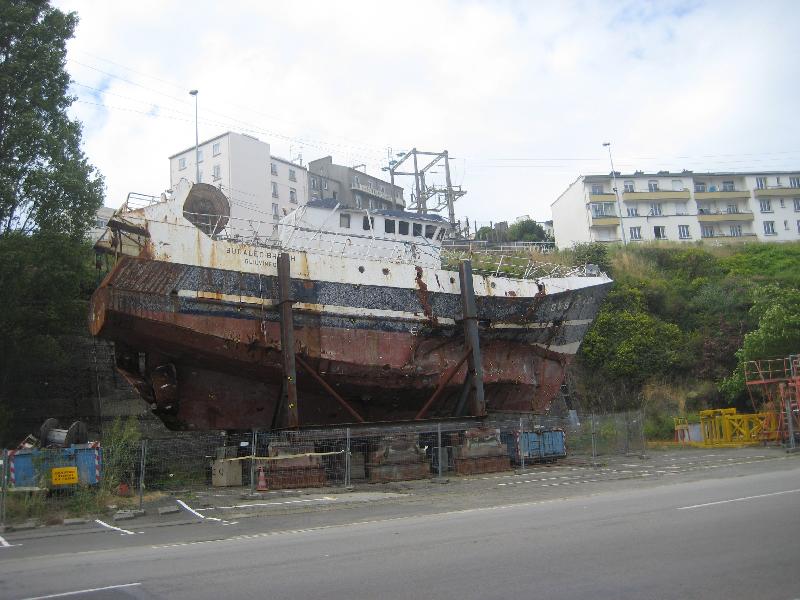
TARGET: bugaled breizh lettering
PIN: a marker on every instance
(257, 257)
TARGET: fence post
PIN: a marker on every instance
(253, 463)
(521, 449)
(789, 419)
(141, 473)
(347, 461)
(439, 447)
(3, 495)
(644, 438)
(594, 444)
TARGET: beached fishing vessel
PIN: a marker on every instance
(378, 329)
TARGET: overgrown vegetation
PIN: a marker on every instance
(675, 331)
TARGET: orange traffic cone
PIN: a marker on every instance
(262, 480)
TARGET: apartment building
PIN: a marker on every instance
(260, 187)
(356, 189)
(715, 208)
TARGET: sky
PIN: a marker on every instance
(521, 93)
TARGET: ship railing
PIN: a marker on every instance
(136, 200)
(515, 266)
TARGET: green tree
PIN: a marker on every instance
(527, 231)
(46, 183)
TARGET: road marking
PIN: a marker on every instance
(3, 542)
(190, 509)
(738, 499)
(104, 524)
(88, 591)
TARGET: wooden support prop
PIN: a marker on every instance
(470, 315)
(330, 390)
(287, 340)
(448, 375)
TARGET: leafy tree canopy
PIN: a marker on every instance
(527, 231)
(46, 183)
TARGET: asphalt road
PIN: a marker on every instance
(734, 536)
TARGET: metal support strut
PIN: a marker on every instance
(473, 385)
(289, 392)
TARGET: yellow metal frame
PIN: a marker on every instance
(724, 427)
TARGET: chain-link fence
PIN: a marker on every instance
(124, 472)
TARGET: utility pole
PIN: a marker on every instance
(616, 192)
(196, 139)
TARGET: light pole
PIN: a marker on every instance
(616, 192)
(196, 140)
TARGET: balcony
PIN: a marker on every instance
(604, 197)
(729, 239)
(721, 195)
(372, 191)
(605, 221)
(716, 216)
(659, 195)
(780, 191)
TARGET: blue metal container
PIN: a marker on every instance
(32, 467)
(539, 445)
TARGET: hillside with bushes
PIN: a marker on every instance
(675, 331)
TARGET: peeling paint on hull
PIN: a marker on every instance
(202, 345)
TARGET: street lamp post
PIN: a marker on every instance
(616, 192)
(196, 140)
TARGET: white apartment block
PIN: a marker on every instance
(261, 188)
(685, 207)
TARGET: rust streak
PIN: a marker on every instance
(422, 294)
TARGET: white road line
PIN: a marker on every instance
(104, 524)
(75, 593)
(3, 542)
(739, 499)
(190, 509)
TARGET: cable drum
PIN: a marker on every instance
(207, 208)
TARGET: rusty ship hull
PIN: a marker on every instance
(212, 360)
(193, 308)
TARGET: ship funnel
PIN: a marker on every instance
(207, 208)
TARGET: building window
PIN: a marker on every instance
(677, 185)
(274, 189)
(597, 188)
(736, 231)
(430, 231)
(344, 221)
(633, 211)
(700, 186)
(706, 231)
(199, 156)
(325, 185)
(769, 228)
(215, 172)
(786, 225)
(371, 204)
(636, 233)
(794, 182)
(358, 200)
(215, 149)
(355, 181)
(683, 232)
(383, 189)
(368, 223)
(660, 232)
(652, 185)
(313, 183)
(603, 209)
(388, 225)
(402, 227)
(761, 183)
(417, 229)
(766, 205)
(274, 209)
(200, 177)
(273, 169)
(629, 187)
(797, 204)
(655, 209)
(798, 226)
(292, 176)
(783, 204)
(181, 164)
(732, 209)
(727, 186)
(293, 195)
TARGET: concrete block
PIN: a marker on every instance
(75, 521)
(168, 510)
(124, 515)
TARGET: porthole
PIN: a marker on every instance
(360, 269)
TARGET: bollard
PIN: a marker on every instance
(644, 438)
(253, 463)
(141, 473)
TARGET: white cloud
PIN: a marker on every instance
(714, 82)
